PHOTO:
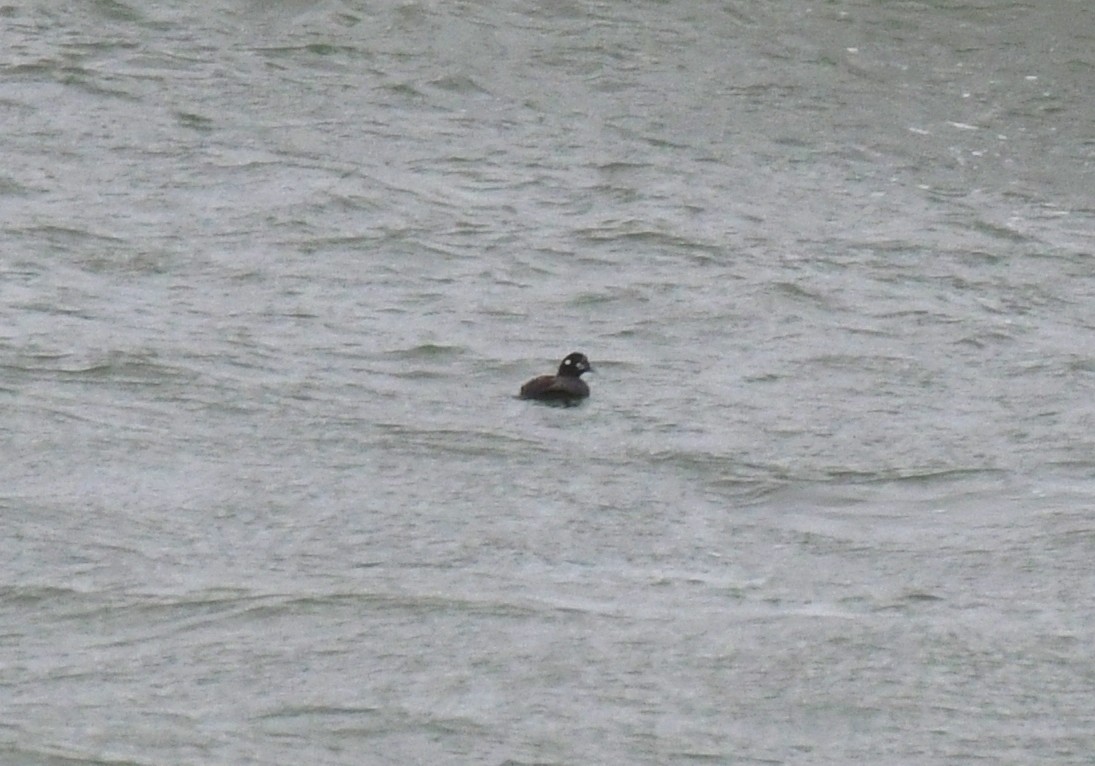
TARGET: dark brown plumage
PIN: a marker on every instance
(566, 386)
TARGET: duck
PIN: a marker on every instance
(565, 387)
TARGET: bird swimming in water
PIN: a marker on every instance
(565, 387)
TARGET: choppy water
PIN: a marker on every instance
(272, 274)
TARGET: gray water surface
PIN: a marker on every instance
(271, 275)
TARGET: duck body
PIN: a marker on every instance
(565, 387)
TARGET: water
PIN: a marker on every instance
(273, 273)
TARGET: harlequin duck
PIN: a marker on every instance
(566, 387)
